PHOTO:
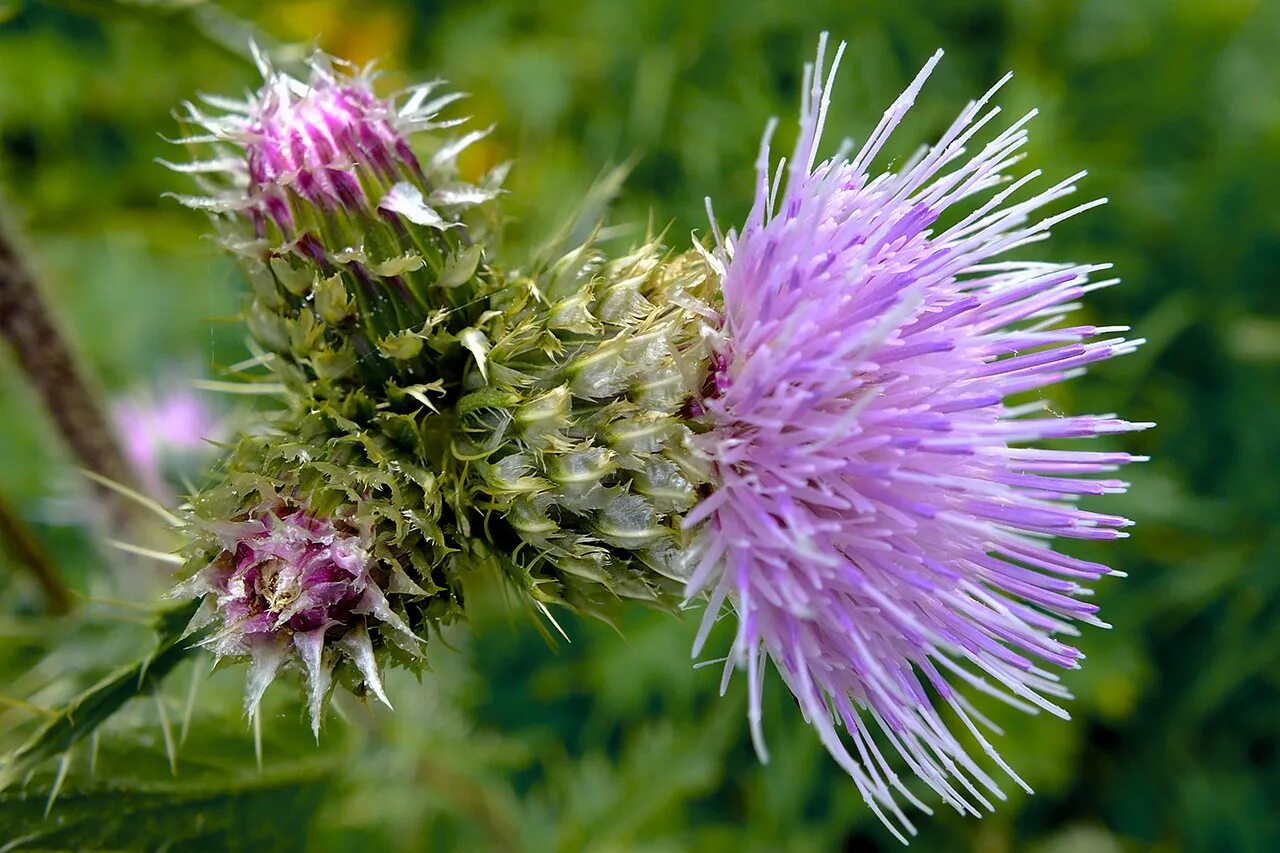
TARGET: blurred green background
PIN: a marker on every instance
(618, 744)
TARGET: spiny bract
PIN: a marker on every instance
(576, 430)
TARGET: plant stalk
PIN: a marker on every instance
(47, 360)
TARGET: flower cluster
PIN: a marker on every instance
(813, 425)
(469, 419)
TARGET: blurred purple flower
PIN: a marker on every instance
(159, 428)
(881, 523)
(290, 586)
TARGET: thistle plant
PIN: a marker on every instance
(815, 423)
(880, 515)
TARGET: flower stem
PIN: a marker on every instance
(50, 366)
(26, 549)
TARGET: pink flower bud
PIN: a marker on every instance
(292, 587)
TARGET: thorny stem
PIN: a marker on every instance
(49, 364)
(28, 552)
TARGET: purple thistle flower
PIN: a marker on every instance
(290, 586)
(881, 521)
(349, 215)
(329, 142)
(156, 428)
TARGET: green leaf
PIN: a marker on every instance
(80, 717)
(223, 809)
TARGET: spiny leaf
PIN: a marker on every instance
(83, 714)
(239, 810)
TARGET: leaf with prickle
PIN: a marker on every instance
(82, 716)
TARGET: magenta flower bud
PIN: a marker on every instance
(350, 218)
(329, 142)
(880, 523)
(318, 140)
(290, 587)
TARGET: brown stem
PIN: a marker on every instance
(28, 552)
(50, 366)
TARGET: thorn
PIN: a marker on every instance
(169, 748)
(63, 764)
(552, 620)
(266, 388)
(137, 497)
(171, 559)
(257, 739)
(198, 674)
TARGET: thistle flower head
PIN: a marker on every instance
(329, 141)
(315, 135)
(290, 586)
(364, 247)
(880, 518)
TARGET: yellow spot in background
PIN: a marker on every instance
(359, 32)
(1221, 13)
(477, 159)
(1117, 695)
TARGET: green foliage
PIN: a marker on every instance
(619, 744)
(82, 716)
(227, 806)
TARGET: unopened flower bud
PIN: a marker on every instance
(361, 241)
(577, 430)
(288, 584)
